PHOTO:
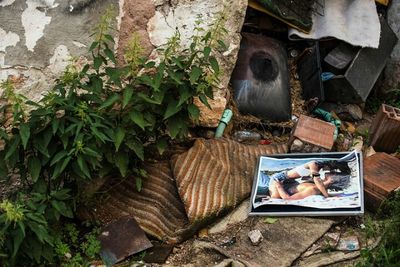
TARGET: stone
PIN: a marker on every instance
(370, 151)
(256, 237)
(349, 112)
(210, 117)
(350, 243)
(181, 15)
(297, 145)
(238, 215)
(203, 233)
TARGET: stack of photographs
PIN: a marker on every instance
(322, 184)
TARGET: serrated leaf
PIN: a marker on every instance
(172, 109)
(126, 96)
(174, 126)
(110, 55)
(206, 52)
(83, 166)
(54, 125)
(137, 118)
(139, 183)
(119, 137)
(109, 101)
(62, 208)
(194, 75)
(149, 100)
(18, 237)
(97, 61)
(90, 152)
(60, 155)
(161, 145)
(214, 64)
(97, 83)
(25, 133)
(34, 168)
(13, 147)
(203, 99)
(136, 147)
(270, 220)
(122, 161)
(109, 38)
(194, 111)
(184, 95)
(176, 76)
(93, 46)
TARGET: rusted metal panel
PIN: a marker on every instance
(121, 239)
(157, 207)
(216, 175)
(315, 131)
(385, 129)
(381, 178)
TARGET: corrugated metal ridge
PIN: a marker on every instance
(216, 174)
(157, 208)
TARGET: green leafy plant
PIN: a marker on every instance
(387, 253)
(99, 119)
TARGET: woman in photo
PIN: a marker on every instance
(291, 189)
(310, 171)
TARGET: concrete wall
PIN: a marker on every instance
(392, 72)
(37, 37)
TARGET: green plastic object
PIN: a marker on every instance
(225, 119)
(329, 118)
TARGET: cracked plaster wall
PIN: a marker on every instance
(392, 72)
(38, 38)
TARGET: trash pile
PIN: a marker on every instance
(303, 74)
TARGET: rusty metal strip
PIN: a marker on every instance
(216, 175)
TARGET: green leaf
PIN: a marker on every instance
(127, 95)
(54, 125)
(3, 134)
(184, 95)
(97, 61)
(270, 220)
(149, 100)
(83, 166)
(203, 99)
(60, 155)
(176, 76)
(137, 118)
(13, 147)
(101, 136)
(110, 101)
(222, 45)
(3, 168)
(161, 145)
(96, 83)
(25, 133)
(93, 46)
(34, 168)
(119, 137)
(110, 55)
(206, 52)
(62, 208)
(137, 147)
(122, 161)
(90, 152)
(62, 194)
(109, 38)
(18, 238)
(194, 111)
(172, 109)
(174, 126)
(214, 64)
(194, 75)
(139, 183)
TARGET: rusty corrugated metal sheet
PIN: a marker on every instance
(385, 129)
(315, 131)
(381, 178)
(217, 174)
(157, 207)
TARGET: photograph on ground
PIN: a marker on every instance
(308, 183)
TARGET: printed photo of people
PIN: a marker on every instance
(322, 183)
